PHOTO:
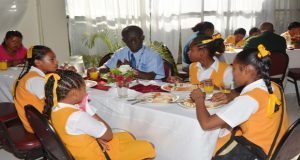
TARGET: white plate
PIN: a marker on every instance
(180, 87)
(190, 105)
(157, 97)
(90, 83)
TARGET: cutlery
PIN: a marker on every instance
(138, 101)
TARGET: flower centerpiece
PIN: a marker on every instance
(295, 41)
(122, 75)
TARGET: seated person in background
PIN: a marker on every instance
(252, 110)
(253, 32)
(293, 30)
(272, 41)
(147, 62)
(237, 39)
(202, 28)
(12, 49)
(81, 133)
(29, 87)
(205, 65)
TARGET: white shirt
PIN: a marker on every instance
(204, 74)
(242, 107)
(80, 122)
(36, 85)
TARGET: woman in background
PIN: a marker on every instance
(12, 49)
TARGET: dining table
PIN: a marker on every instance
(294, 58)
(173, 129)
(7, 79)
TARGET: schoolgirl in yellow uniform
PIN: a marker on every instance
(29, 88)
(81, 133)
(254, 111)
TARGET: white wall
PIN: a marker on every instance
(52, 31)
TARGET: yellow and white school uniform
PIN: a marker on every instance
(219, 72)
(249, 111)
(30, 90)
(79, 131)
(231, 40)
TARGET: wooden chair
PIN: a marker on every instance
(294, 74)
(105, 58)
(51, 142)
(289, 145)
(279, 65)
(7, 113)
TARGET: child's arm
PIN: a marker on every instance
(108, 135)
(206, 120)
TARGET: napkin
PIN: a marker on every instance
(145, 89)
(102, 85)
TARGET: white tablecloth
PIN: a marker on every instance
(7, 79)
(294, 58)
(173, 130)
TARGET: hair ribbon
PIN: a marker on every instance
(273, 101)
(262, 52)
(56, 78)
(214, 37)
(29, 52)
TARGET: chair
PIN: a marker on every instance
(7, 113)
(289, 145)
(279, 64)
(16, 140)
(105, 58)
(294, 74)
(51, 142)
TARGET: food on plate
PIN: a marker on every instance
(188, 102)
(179, 87)
(161, 98)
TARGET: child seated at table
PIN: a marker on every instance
(251, 111)
(205, 65)
(29, 87)
(82, 134)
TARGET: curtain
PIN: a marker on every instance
(170, 21)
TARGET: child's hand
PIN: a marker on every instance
(104, 144)
(197, 95)
(220, 98)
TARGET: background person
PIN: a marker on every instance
(12, 49)
(147, 62)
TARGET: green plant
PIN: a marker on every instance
(89, 40)
(91, 60)
(165, 53)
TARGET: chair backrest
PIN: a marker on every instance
(105, 58)
(51, 142)
(8, 111)
(279, 65)
(289, 145)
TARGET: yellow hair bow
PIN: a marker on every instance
(29, 52)
(214, 37)
(262, 51)
(56, 78)
(273, 101)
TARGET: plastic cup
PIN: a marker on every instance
(94, 75)
(225, 88)
(3, 65)
(208, 86)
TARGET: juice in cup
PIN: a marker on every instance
(94, 75)
(3, 65)
(208, 86)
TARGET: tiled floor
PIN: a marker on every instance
(292, 109)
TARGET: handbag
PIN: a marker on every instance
(240, 148)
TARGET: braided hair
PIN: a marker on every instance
(261, 64)
(38, 53)
(212, 47)
(68, 80)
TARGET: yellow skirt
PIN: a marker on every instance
(124, 147)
